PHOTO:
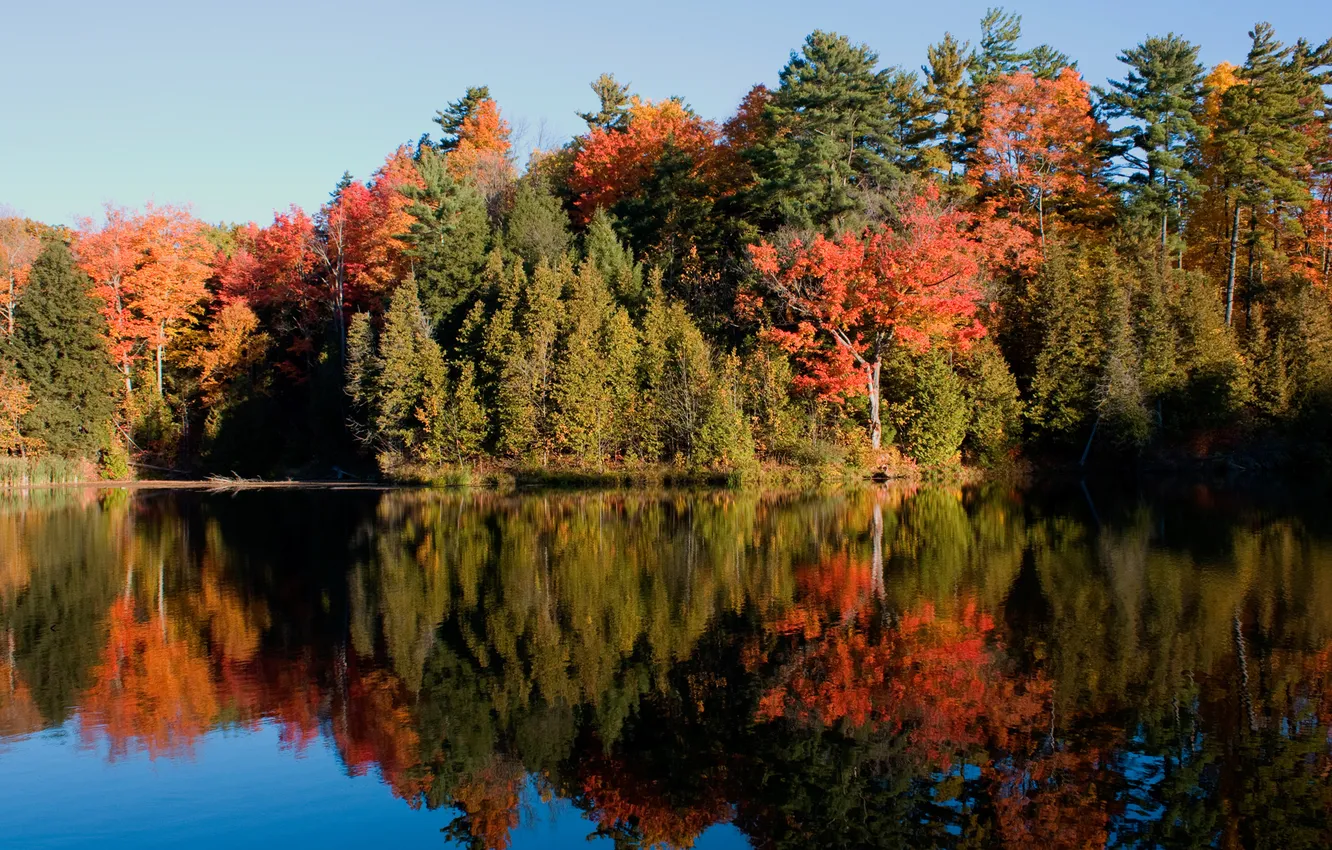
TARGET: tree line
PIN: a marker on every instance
(864, 265)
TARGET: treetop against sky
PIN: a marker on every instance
(244, 108)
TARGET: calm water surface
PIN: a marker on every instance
(895, 668)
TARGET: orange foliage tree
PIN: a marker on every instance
(614, 164)
(149, 271)
(483, 152)
(19, 246)
(846, 301)
(1037, 146)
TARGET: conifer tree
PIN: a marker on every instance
(1161, 100)
(724, 439)
(932, 417)
(448, 238)
(580, 392)
(831, 137)
(537, 227)
(619, 352)
(58, 348)
(409, 368)
(948, 104)
(624, 276)
(613, 110)
(451, 118)
(1260, 136)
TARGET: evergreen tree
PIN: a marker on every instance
(932, 420)
(948, 104)
(994, 428)
(614, 261)
(410, 369)
(619, 352)
(613, 99)
(724, 440)
(58, 348)
(362, 375)
(448, 238)
(537, 227)
(1120, 405)
(580, 392)
(1161, 101)
(451, 118)
(1260, 136)
(831, 139)
(1063, 388)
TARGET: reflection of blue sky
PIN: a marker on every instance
(239, 789)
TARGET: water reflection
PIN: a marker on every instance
(954, 668)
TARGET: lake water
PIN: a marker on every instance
(1068, 667)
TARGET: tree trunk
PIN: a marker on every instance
(1230, 271)
(876, 563)
(1040, 214)
(876, 426)
(161, 336)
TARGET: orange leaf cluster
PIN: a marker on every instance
(615, 164)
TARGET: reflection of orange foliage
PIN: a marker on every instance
(844, 676)
(149, 692)
(834, 588)
(620, 797)
(932, 675)
(375, 727)
(19, 714)
(1050, 801)
(489, 799)
(234, 627)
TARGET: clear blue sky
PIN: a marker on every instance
(241, 108)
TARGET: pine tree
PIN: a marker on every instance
(994, 428)
(948, 103)
(619, 353)
(408, 358)
(930, 412)
(448, 238)
(613, 111)
(58, 349)
(831, 139)
(362, 375)
(724, 439)
(580, 393)
(451, 118)
(467, 420)
(1260, 139)
(1161, 101)
(1120, 405)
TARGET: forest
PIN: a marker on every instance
(867, 267)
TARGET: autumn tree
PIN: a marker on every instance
(1037, 149)
(19, 246)
(846, 302)
(149, 270)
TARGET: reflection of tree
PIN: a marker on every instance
(151, 691)
(926, 667)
